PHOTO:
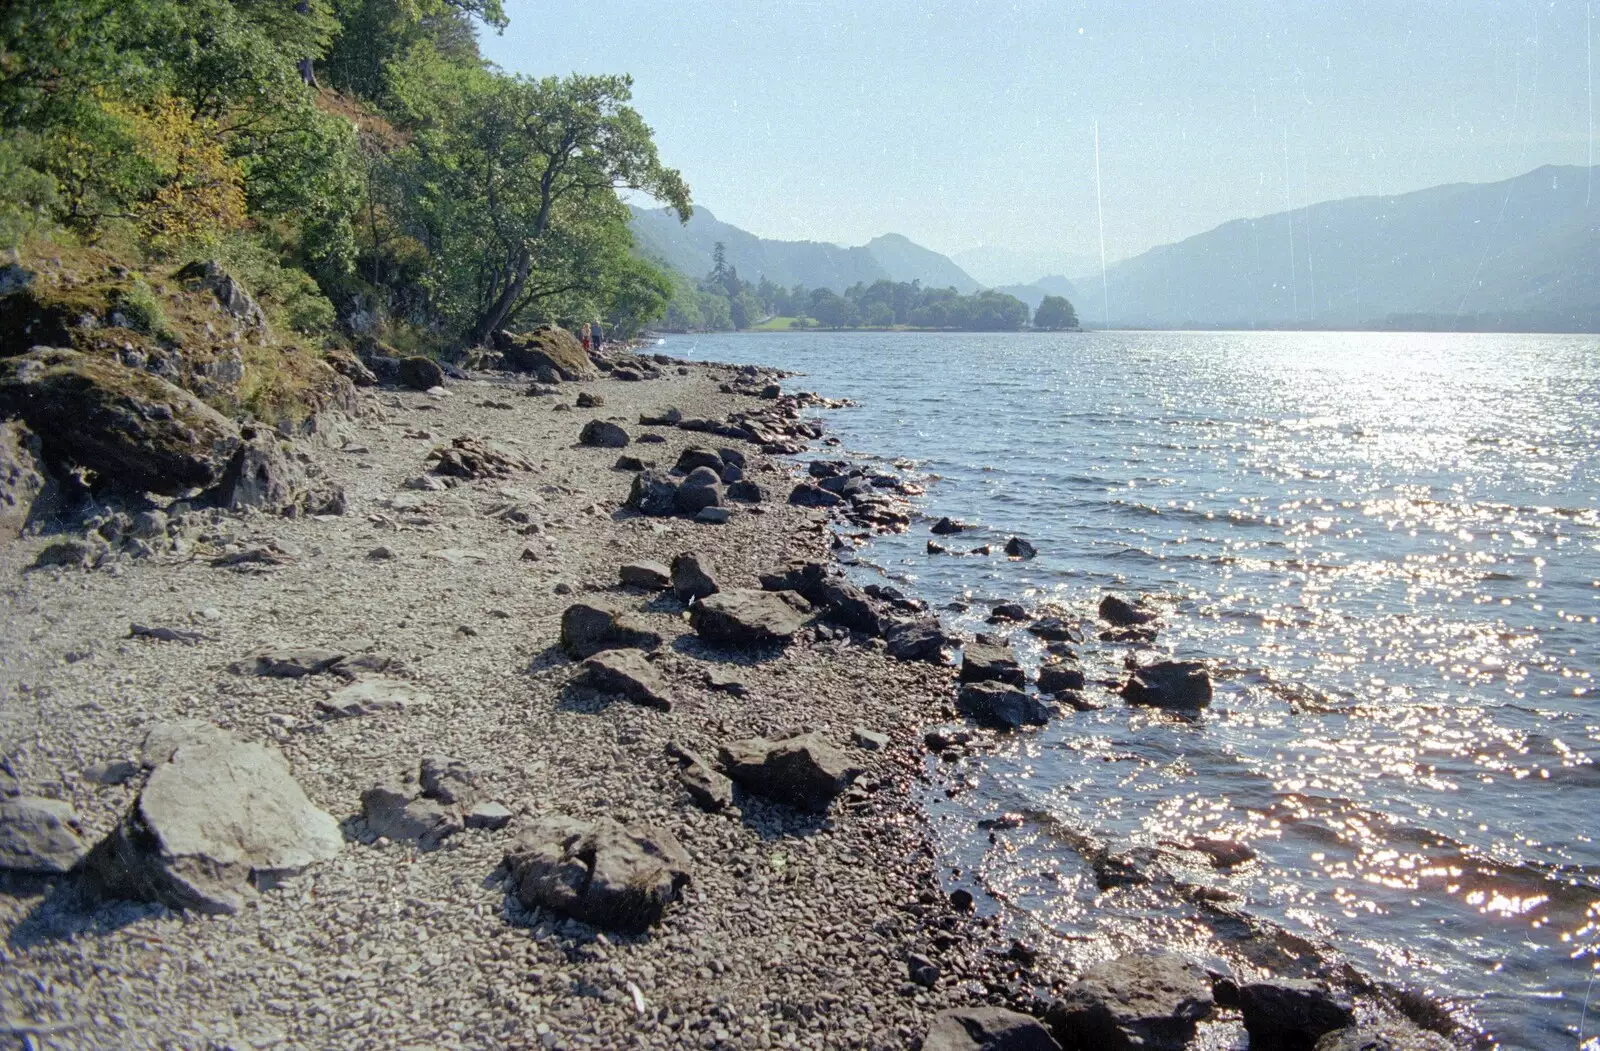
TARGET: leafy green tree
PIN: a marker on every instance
(880, 315)
(1055, 313)
(637, 293)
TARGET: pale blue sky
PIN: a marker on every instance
(966, 123)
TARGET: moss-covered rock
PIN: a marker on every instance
(419, 373)
(132, 430)
(548, 348)
(21, 477)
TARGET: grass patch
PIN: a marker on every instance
(781, 324)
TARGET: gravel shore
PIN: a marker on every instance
(796, 928)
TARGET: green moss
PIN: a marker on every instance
(140, 305)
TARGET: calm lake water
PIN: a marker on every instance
(1388, 545)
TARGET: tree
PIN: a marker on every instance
(637, 294)
(880, 315)
(1055, 313)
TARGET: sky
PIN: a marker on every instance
(966, 124)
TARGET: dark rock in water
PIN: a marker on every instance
(651, 575)
(692, 499)
(1054, 629)
(1054, 678)
(699, 456)
(917, 640)
(547, 350)
(133, 430)
(39, 835)
(1170, 684)
(1292, 1013)
(1000, 706)
(670, 417)
(983, 663)
(589, 400)
(805, 495)
(603, 434)
(1017, 547)
(693, 576)
(216, 815)
(744, 618)
(653, 493)
(1008, 611)
(948, 526)
(987, 1029)
(935, 548)
(626, 672)
(616, 877)
(1122, 613)
(1147, 1001)
(22, 477)
(804, 772)
(588, 628)
(419, 373)
(1386, 1036)
(746, 491)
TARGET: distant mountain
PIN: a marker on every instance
(1033, 294)
(1519, 254)
(908, 261)
(815, 264)
(996, 267)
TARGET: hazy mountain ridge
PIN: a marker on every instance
(1522, 253)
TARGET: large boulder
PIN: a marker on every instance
(269, 475)
(618, 877)
(699, 456)
(690, 500)
(548, 349)
(981, 662)
(419, 373)
(217, 815)
(1170, 684)
(133, 430)
(1293, 1013)
(39, 835)
(742, 617)
(626, 672)
(587, 628)
(653, 493)
(1150, 1001)
(1000, 706)
(987, 1029)
(693, 576)
(603, 434)
(1386, 1036)
(22, 477)
(805, 771)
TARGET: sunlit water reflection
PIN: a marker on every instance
(1388, 544)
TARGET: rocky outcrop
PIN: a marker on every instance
(987, 1029)
(1170, 684)
(267, 474)
(22, 477)
(132, 430)
(804, 771)
(39, 835)
(1292, 1013)
(628, 673)
(587, 628)
(419, 373)
(617, 877)
(234, 299)
(1001, 707)
(744, 618)
(1149, 1001)
(549, 352)
(216, 816)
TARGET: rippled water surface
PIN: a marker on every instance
(1388, 545)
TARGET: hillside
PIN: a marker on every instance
(814, 264)
(1033, 294)
(1518, 254)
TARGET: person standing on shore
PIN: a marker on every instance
(595, 333)
(584, 335)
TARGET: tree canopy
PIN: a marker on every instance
(1055, 313)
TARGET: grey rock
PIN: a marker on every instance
(372, 696)
(922, 970)
(491, 817)
(590, 400)
(627, 462)
(1385, 1036)
(22, 477)
(1292, 1012)
(287, 663)
(71, 553)
(741, 617)
(113, 772)
(726, 682)
(709, 789)
(691, 499)
(807, 495)
(948, 527)
(732, 473)
(804, 771)
(1017, 547)
(746, 491)
(650, 575)
(653, 493)
(1122, 613)
(1149, 1001)
(613, 876)
(917, 640)
(987, 1029)
(1001, 706)
(714, 515)
(231, 295)
(628, 673)
(375, 662)
(697, 456)
(983, 663)
(602, 434)
(393, 812)
(447, 780)
(702, 476)
(871, 740)
(668, 417)
(1059, 676)
(733, 458)
(1170, 684)
(216, 815)
(693, 576)
(419, 373)
(39, 835)
(587, 628)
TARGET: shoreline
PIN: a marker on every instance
(795, 930)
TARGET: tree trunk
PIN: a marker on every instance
(490, 321)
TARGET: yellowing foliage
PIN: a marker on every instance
(197, 194)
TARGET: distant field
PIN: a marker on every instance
(774, 324)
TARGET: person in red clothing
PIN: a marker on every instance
(585, 336)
